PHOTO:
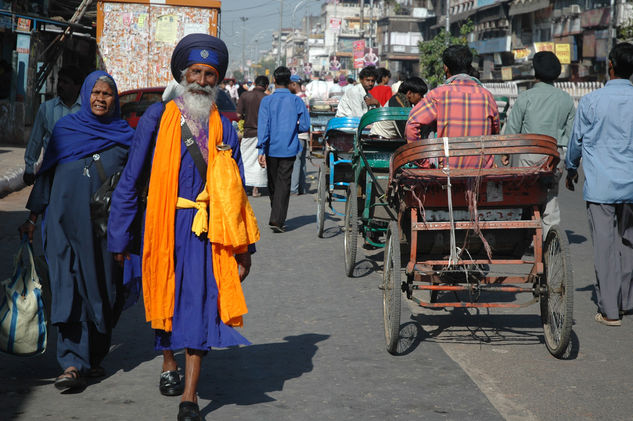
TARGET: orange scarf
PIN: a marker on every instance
(231, 225)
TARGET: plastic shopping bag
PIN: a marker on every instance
(22, 320)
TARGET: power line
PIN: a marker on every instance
(247, 8)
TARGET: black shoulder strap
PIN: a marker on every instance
(97, 160)
(194, 150)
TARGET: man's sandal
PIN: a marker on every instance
(69, 379)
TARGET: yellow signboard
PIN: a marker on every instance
(543, 46)
(563, 52)
(521, 54)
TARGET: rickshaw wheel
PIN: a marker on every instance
(392, 287)
(351, 228)
(322, 193)
(557, 299)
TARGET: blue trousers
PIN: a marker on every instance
(81, 345)
(298, 182)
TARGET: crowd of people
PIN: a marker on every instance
(183, 173)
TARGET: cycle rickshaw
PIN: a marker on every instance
(464, 230)
(321, 111)
(335, 172)
(366, 209)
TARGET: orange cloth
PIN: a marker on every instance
(231, 225)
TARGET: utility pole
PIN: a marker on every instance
(281, 18)
(362, 31)
(371, 23)
(243, 19)
(448, 22)
(611, 40)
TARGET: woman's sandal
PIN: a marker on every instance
(69, 379)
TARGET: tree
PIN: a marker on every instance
(267, 65)
(431, 66)
(625, 32)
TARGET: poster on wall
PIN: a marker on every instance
(371, 58)
(358, 52)
(335, 24)
(335, 64)
(167, 29)
(307, 69)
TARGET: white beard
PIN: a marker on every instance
(198, 105)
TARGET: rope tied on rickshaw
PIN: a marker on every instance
(453, 258)
(472, 194)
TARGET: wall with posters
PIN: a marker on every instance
(136, 39)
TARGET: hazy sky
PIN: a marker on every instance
(263, 19)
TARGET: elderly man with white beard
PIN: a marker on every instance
(199, 229)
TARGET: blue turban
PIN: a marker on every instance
(200, 49)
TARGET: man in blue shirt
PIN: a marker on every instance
(282, 116)
(603, 136)
(67, 101)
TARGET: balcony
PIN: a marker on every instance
(400, 49)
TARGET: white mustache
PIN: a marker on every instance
(191, 87)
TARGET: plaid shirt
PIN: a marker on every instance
(461, 107)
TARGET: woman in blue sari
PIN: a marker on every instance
(85, 279)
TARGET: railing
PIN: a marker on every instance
(575, 89)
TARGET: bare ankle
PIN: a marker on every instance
(187, 397)
(169, 363)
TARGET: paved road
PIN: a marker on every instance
(318, 348)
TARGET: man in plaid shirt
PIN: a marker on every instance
(460, 107)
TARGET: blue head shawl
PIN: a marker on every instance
(83, 133)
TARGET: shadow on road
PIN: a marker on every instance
(575, 238)
(458, 326)
(245, 376)
(590, 287)
(299, 221)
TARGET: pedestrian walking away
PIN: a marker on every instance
(199, 228)
(85, 280)
(298, 179)
(248, 110)
(460, 107)
(602, 136)
(67, 101)
(282, 116)
(545, 110)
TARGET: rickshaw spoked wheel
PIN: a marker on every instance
(392, 288)
(557, 296)
(322, 197)
(351, 228)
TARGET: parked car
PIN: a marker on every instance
(134, 103)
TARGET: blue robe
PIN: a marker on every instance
(196, 321)
(83, 275)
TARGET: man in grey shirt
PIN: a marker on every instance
(545, 110)
(67, 101)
